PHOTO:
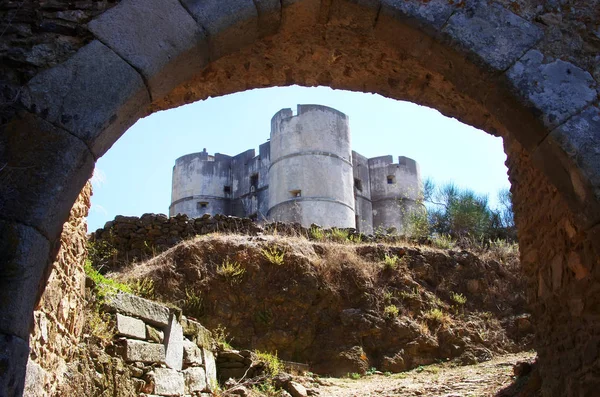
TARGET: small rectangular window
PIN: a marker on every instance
(227, 189)
(391, 179)
(358, 184)
(202, 204)
(296, 193)
(254, 181)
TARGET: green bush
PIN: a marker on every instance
(231, 271)
(273, 365)
(390, 262)
(391, 311)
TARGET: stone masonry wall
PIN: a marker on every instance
(59, 320)
(561, 264)
(167, 353)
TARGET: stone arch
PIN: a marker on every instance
(474, 60)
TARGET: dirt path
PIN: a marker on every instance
(485, 379)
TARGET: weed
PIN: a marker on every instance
(438, 316)
(442, 241)
(414, 294)
(273, 255)
(104, 286)
(339, 235)
(265, 316)
(273, 366)
(317, 233)
(391, 311)
(355, 238)
(266, 389)
(387, 373)
(143, 288)
(354, 375)
(231, 271)
(371, 371)
(221, 337)
(459, 299)
(101, 252)
(193, 304)
(387, 296)
(390, 262)
(99, 325)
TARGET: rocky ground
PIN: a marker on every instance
(345, 307)
(491, 378)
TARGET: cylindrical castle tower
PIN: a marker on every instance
(201, 185)
(310, 176)
(396, 190)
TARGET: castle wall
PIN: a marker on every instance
(395, 189)
(200, 185)
(250, 183)
(362, 193)
(311, 175)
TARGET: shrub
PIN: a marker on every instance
(437, 316)
(273, 255)
(231, 271)
(100, 253)
(273, 366)
(391, 311)
(354, 375)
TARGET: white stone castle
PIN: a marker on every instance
(306, 173)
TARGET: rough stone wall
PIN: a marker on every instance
(59, 319)
(561, 264)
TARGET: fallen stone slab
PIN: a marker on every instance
(135, 306)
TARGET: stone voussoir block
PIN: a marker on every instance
(556, 89)
(44, 168)
(24, 255)
(14, 353)
(158, 37)
(230, 24)
(131, 327)
(269, 16)
(95, 95)
(168, 382)
(144, 352)
(491, 35)
(144, 309)
(429, 16)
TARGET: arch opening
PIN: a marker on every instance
(478, 63)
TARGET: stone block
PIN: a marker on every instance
(174, 344)
(95, 95)
(195, 380)
(196, 332)
(210, 367)
(555, 90)
(579, 137)
(168, 382)
(491, 35)
(35, 380)
(14, 353)
(269, 16)
(429, 16)
(131, 327)
(24, 256)
(297, 390)
(230, 24)
(144, 352)
(42, 171)
(354, 13)
(158, 37)
(132, 305)
(192, 355)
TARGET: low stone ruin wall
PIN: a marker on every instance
(167, 353)
(128, 239)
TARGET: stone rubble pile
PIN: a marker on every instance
(167, 353)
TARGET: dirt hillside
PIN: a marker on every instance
(347, 307)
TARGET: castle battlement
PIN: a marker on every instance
(306, 173)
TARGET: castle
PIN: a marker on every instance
(306, 173)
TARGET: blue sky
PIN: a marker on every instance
(134, 176)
